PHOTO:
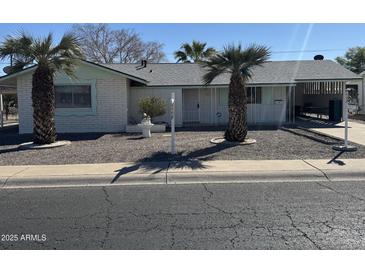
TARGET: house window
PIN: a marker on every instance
(73, 96)
(253, 95)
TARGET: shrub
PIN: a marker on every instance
(152, 106)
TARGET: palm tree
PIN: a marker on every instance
(194, 53)
(25, 51)
(239, 63)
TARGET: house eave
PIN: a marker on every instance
(132, 77)
(327, 79)
(221, 85)
(31, 68)
(16, 74)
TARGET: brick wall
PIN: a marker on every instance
(110, 114)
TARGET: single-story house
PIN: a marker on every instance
(104, 97)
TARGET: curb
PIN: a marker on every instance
(173, 178)
(81, 181)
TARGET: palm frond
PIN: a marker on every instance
(187, 49)
(194, 52)
(236, 60)
(180, 56)
(215, 66)
(69, 44)
(66, 54)
(18, 50)
(209, 52)
(253, 55)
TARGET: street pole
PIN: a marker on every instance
(173, 142)
(345, 147)
(345, 116)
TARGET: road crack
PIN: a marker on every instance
(304, 234)
(233, 226)
(330, 181)
(205, 200)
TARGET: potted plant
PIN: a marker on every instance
(150, 107)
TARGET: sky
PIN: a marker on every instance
(286, 41)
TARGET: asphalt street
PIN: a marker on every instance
(193, 216)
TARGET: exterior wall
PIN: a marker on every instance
(271, 110)
(273, 107)
(136, 93)
(25, 109)
(109, 107)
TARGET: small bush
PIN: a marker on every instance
(152, 106)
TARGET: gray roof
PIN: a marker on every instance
(274, 72)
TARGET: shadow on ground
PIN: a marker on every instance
(192, 160)
(10, 136)
(310, 122)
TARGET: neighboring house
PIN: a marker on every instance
(104, 98)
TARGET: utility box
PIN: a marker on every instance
(335, 110)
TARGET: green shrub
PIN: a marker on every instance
(152, 106)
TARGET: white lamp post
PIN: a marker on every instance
(173, 141)
(345, 147)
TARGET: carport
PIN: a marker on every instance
(321, 99)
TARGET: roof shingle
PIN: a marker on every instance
(274, 72)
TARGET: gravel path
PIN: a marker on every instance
(104, 148)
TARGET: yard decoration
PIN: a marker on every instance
(146, 126)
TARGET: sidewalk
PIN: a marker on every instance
(356, 132)
(242, 171)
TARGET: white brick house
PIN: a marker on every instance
(104, 98)
(107, 108)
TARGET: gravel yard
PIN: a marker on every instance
(104, 148)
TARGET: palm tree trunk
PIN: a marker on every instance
(237, 107)
(43, 97)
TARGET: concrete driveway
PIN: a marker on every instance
(356, 131)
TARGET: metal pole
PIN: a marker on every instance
(345, 109)
(173, 141)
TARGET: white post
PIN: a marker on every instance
(1, 111)
(173, 142)
(345, 114)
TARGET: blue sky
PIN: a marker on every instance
(334, 39)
